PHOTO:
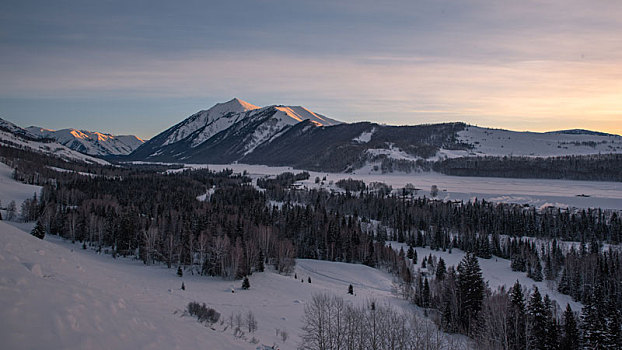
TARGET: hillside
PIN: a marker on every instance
(95, 296)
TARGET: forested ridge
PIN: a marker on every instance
(154, 215)
(595, 167)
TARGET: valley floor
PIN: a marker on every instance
(536, 192)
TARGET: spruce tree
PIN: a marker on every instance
(534, 271)
(350, 290)
(38, 231)
(471, 291)
(426, 293)
(552, 332)
(441, 269)
(180, 272)
(246, 284)
(537, 317)
(614, 334)
(564, 283)
(260, 261)
(410, 253)
(570, 336)
(516, 318)
(593, 323)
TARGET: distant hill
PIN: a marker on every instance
(90, 142)
(14, 136)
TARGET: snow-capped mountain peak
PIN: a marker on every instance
(230, 129)
(14, 136)
(234, 105)
(91, 142)
(298, 114)
(207, 123)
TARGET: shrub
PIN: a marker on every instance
(203, 313)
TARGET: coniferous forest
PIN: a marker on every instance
(220, 224)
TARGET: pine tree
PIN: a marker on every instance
(564, 283)
(614, 334)
(260, 261)
(441, 269)
(484, 249)
(246, 284)
(552, 332)
(593, 322)
(570, 337)
(516, 318)
(536, 311)
(471, 291)
(449, 303)
(38, 231)
(426, 293)
(534, 271)
(411, 252)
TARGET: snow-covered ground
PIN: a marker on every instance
(11, 190)
(499, 142)
(537, 192)
(55, 295)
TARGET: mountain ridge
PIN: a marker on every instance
(238, 131)
(90, 142)
(13, 136)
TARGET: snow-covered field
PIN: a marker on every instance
(536, 192)
(55, 295)
(11, 190)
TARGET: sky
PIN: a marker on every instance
(138, 67)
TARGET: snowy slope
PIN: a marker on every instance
(498, 142)
(91, 142)
(12, 128)
(205, 124)
(298, 114)
(60, 296)
(11, 190)
(53, 148)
